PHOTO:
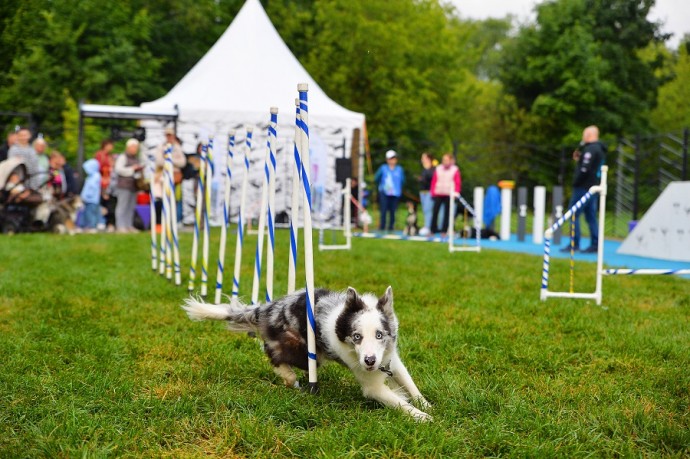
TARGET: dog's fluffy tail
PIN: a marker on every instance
(240, 317)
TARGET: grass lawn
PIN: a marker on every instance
(99, 360)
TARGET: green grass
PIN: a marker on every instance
(99, 360)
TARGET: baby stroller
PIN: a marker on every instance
(17, 201)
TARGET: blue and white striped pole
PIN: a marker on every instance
(262, 225)
(241, 217)
(647, 272)
(168, 187)
(207, 223)
(294, 210)
(152, 212)
(198, 221)
(165, 266)
(308, 244)
(174, 243)
(226, 217)
(272, 146)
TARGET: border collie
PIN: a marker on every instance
(357, 331)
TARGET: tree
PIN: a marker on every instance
(579, 64)
(672, 112)
(97, 51)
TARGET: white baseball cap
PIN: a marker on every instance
(391, 154)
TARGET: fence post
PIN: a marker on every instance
(686, 133)
(636, 178)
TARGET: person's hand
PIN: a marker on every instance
(576, 155)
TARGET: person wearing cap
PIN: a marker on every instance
(390, 178)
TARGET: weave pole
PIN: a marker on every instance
(260, 230)
(572, 252)
(601, 189)
(174, 246)
(168, 201)
(308, 243)
(198, 221)
(241, 216)
(294, 209)
(166, 244)
(451, 225)
(163, 246)
(226, 217)
(271, 144)
(207, 223)
(152, 213)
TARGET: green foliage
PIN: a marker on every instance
(94, 50)
(99, 360)
(427, 78)
(672, 112)
(579, 64)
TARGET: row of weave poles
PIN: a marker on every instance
(165, 257)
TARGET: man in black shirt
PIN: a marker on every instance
(589, 159)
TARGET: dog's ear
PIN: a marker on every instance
(353, 302)
(385, 303)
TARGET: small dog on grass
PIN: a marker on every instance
(357, 331)
(411, 227)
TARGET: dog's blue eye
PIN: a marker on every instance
(356, 337)
(379, 335)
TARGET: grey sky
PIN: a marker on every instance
(674, 13)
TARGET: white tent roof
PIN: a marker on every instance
(247, 71)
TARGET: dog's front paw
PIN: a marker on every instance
(421, 416)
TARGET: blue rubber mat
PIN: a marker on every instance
(611, 258)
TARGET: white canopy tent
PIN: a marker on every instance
(247, 71)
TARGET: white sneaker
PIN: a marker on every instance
(424, 231)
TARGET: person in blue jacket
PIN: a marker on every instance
(390, 178)
(91, 194)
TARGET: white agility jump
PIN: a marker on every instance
(465, 230)
(601, 190)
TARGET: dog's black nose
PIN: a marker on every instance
(370, 360)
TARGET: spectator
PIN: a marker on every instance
(5, 147)
(390, 178)
(57, 179)
(425, 191)
(106, 162)
(40, 146)
(104, 158)
(91, 195)
(127, 166)
(109, 198)
(587, 174)
(23, 150)
(446, 179)
(190, 178)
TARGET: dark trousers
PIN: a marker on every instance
(388, 205)
(438, 202)
(590, 211)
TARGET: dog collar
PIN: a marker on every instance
(386, 369)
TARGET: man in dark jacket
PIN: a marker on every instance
(590, 158)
